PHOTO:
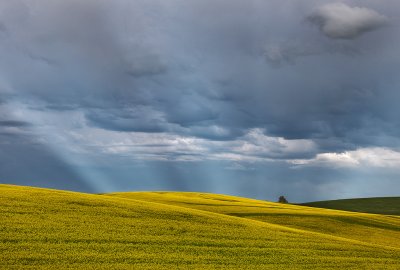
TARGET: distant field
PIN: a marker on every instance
(41, 228)
(385, 205)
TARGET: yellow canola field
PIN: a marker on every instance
(50, 229)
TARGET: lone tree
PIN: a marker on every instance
(282, 199)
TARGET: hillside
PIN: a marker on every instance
(377, 229)
(44, 228)
(384, 205)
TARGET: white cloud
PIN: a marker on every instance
(255, 146)
(364, 157)
(340, 21)
(68, 132)
(256, 143)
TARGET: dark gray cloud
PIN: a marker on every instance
(134, 119)
(195, 73)
(13, 123)
(340, 21)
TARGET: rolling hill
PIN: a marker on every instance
(383, 205)
(43, 228)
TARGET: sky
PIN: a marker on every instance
(244, 97)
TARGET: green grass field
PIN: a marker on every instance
(384, 205)
(42, 228)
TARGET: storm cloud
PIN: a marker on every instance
(272, 90)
